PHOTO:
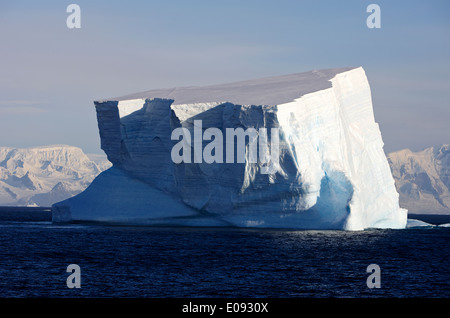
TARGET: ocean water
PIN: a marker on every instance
(160, 262)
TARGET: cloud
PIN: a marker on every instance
(19, 102)
(20, 107)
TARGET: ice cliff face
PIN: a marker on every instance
(331, 171)
(423, 179)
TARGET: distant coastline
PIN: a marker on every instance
(29, 214)
(435, 219)
(24, 209)
(25, 213)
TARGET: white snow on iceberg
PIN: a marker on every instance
(332, 172)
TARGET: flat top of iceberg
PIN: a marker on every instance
(273, 90)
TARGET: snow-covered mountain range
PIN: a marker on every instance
(45, 175)
(423, 179)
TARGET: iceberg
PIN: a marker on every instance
(330, 171)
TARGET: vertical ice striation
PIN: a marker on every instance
(331, 170)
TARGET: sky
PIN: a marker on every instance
(50, 74)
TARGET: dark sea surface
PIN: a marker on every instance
(159, 262)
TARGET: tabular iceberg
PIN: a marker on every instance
(331, 171)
